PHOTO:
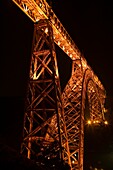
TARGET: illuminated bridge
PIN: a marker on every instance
(54, 120)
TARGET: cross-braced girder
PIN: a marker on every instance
(54, 122)
(81, 83)
(44, 125)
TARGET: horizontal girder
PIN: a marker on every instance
(55, 121)
(39, 9)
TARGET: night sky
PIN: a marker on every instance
(90, 25)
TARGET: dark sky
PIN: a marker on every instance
(16, 34)
(90, 24)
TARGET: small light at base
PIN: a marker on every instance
(106, 122)
(89, 122)
(73, 162)
(94, 121)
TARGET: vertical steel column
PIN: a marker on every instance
(82, 82)
(44, 124)
(72, 108)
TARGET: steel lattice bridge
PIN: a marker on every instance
(54, 121)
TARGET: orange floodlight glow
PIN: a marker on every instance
(73, 162)
(106, 122)
(94, 121)
(89, 122)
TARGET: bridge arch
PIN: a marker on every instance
(81, 83)
(44, 97)
(90, 88)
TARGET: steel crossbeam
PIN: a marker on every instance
(54, 122)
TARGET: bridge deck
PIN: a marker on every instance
(39, 9)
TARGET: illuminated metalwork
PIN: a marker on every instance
(54, 122)
(44, 124)
(81, 83)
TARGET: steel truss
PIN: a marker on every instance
(54, 122)
(81, 83)
(45, 132)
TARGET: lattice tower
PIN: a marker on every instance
(54, 122)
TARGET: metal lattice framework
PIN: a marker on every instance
(81, 83)
(54, 122)
(44, 114)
